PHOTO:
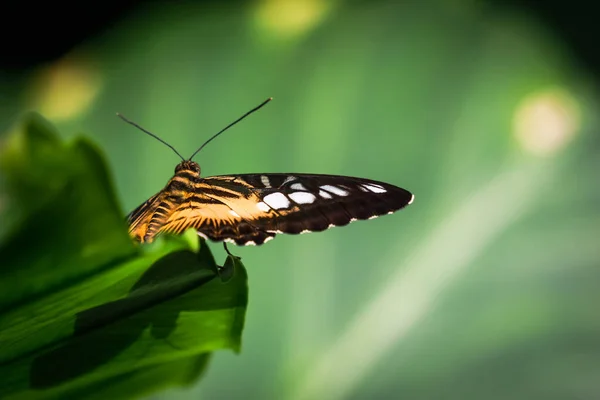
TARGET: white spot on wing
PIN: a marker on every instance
(302, 197)
(373, 217)
(277, 200)
(268, 238)
(335, 190)
(412, 198)
(250, 243)
(263, 207)
(305, 231)
(324, 194)
(330, 226)
(288, 179)
(375, 188)
(298, 186)
(202, 235)
(234, 213)
(265, 181)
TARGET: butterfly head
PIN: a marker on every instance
(188, 166)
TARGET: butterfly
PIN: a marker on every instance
(251, 209)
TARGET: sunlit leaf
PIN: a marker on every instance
(83, 311)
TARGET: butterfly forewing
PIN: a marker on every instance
(299, 203)
(253, 208)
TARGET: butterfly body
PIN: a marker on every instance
(250, 209)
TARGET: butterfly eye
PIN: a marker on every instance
(194, 167)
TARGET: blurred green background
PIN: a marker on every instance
(484, 288)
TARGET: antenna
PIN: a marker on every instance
(228, 126)
(151, 134)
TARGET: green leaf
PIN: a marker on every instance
(85, 312)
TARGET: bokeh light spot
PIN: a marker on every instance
(546, 121)
(65, 89)
(291, 18)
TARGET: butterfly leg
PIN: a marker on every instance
(226, 271)
(228, 252)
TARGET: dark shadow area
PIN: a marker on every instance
(180, 281)
(574, 22)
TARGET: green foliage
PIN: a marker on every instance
(83, 311)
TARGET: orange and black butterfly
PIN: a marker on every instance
(250, 209)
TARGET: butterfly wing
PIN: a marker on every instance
(253, 208)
